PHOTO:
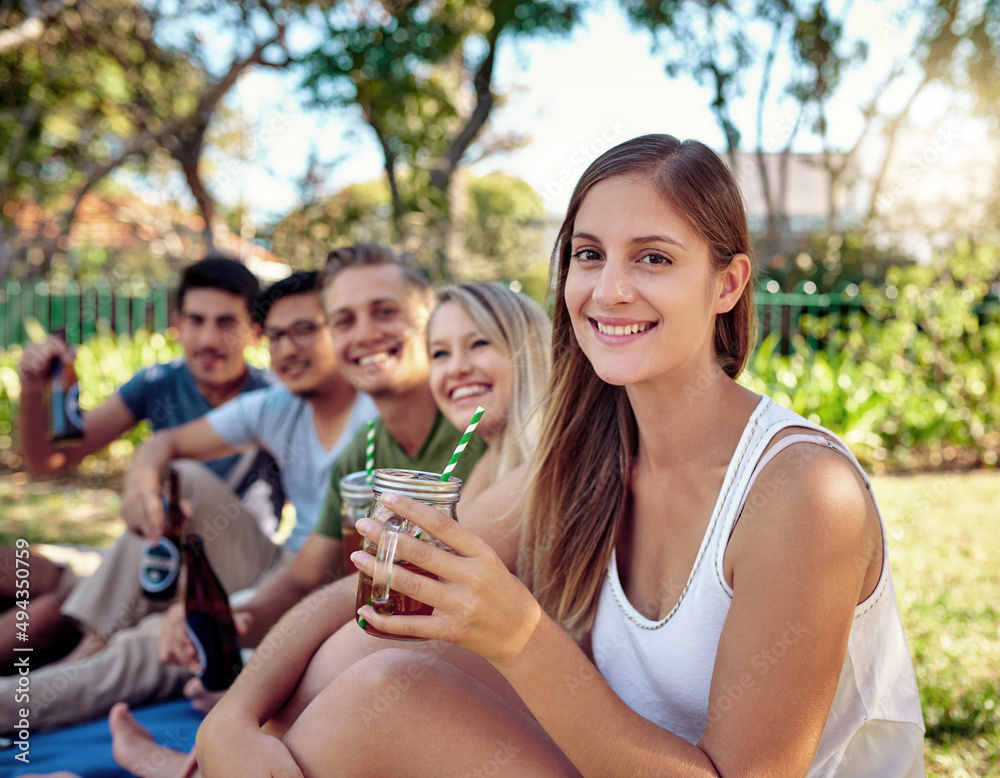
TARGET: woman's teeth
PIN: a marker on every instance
(628, 329)
(469, 391)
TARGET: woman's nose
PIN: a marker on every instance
(459, 363)
(614, 285)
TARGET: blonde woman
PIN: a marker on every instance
(489, 347)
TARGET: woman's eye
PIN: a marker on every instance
(656, 259)
(438, 353)
(586, 255)
(480, 342)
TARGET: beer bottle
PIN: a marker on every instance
(209, 619)
(160, 564)
(65, 419)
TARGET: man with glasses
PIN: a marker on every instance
(304, 423)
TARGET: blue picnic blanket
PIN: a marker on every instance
(85, 749)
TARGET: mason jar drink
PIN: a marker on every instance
(376, 590)
(355, 502)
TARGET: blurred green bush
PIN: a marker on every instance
(915, 385)
(102, 364)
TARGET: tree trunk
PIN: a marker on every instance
(445, 245)
(188, 159)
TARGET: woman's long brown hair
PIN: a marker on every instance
(580, 487)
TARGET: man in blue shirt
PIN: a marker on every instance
(215, 323)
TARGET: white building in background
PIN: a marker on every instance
(940, 186)
(802, 184)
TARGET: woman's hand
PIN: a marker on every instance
(478, 604)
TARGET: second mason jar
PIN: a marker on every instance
(355, 503)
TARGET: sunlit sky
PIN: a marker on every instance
(572, 97)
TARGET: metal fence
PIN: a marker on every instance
(798, 312)
(77, 313)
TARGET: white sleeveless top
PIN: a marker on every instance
(662, 669)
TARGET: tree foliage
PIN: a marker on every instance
(111, 82)
(422, 76)
(500, 223)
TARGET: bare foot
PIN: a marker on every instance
(134, 749)
(91, 643)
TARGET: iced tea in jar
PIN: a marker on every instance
(377, 590)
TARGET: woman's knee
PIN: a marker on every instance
(387, 677)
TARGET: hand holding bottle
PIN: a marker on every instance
(160, 564)
(174, 646)
(38, 358)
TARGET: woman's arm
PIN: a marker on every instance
(799, 565)
(495, 513)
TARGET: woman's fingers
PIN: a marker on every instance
(424, 588)
(436, 522)
(424, 554)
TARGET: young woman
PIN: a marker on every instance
(705, 583)
(488, 346)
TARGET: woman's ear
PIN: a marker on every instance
(733, 282)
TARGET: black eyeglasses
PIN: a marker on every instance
(302, 334)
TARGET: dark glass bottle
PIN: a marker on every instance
(209, 619)
(160, 564)
(65, 419)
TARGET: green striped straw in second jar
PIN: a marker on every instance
(370, 453)
(463, 442)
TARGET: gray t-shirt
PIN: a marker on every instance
(282, 423)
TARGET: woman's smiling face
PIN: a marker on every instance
(640, 289)
(468, 370)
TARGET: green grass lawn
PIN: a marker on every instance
(945, 553)
(944, 546)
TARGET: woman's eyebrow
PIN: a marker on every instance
(658, 239)
(636, 240)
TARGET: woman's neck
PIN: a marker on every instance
(692, 423)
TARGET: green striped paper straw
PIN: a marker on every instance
(370, 453)
(463, 442)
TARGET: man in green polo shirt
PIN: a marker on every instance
(377, 305)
